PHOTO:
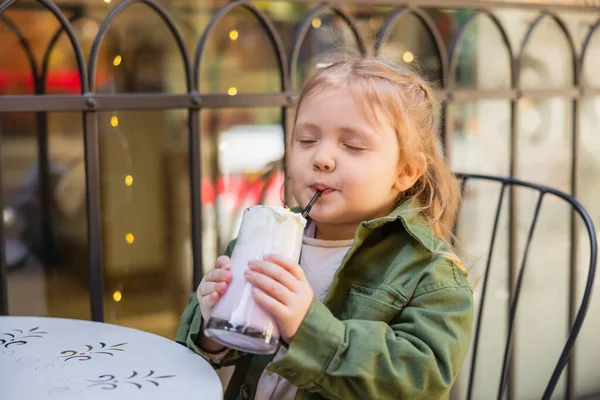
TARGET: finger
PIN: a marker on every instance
(278, 310)
(270, 286)
(219, 275)
(212, 287)
(223, 262)
(210, 300)
(276, 272)
(287, 263)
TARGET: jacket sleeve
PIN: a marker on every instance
(417, 356)
(190, 326)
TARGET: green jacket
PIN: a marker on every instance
(396, 323)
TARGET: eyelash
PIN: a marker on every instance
(354, 149)
(306, 141)
(349, 147)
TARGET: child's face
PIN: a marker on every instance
(336, 148)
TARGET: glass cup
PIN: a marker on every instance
(237, 321)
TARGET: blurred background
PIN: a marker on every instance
(144, 164)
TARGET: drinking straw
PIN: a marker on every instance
(311, 204)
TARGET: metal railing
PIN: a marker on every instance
(89, 102)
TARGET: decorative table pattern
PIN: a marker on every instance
(55, 358)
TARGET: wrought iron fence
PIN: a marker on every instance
(89, 102)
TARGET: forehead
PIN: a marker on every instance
(337, 106)
(319, 97)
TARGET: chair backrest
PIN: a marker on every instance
(508, 183)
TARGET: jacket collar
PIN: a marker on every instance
(409, 214)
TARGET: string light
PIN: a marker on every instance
(129, 238)
(408, 57)
(107, 1)
(114, 121)
(232, 91)
(117, 295)
(233, 35)
(316, 23)
(117, 60)
(129, 180)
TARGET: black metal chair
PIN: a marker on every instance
(583, 307)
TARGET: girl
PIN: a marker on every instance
(379, 307)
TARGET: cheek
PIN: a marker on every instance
(295, 165)
(374, 173)
(299, 157)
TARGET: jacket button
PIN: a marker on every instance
(245, 391)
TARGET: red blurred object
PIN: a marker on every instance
(65, 81)
(244, 188)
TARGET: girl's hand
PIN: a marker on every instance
(213, 286)
(281, 288)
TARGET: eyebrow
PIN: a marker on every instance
(344, 129)
(367, 134)
(352, 131)
(308, 125)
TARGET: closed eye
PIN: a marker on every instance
(354, 148)
(306, 141)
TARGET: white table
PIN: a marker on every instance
(42, 358)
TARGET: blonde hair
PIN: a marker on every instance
(393, 94)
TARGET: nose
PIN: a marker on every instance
(324, 160)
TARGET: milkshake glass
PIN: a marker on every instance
(236, 320)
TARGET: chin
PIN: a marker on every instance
(322, 216)
(315, 215)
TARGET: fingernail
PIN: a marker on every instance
(268, 256)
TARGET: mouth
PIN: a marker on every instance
(323, 188)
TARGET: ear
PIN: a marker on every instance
(413, 170)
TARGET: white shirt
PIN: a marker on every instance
(320, 260)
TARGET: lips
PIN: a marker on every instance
(323, 188)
